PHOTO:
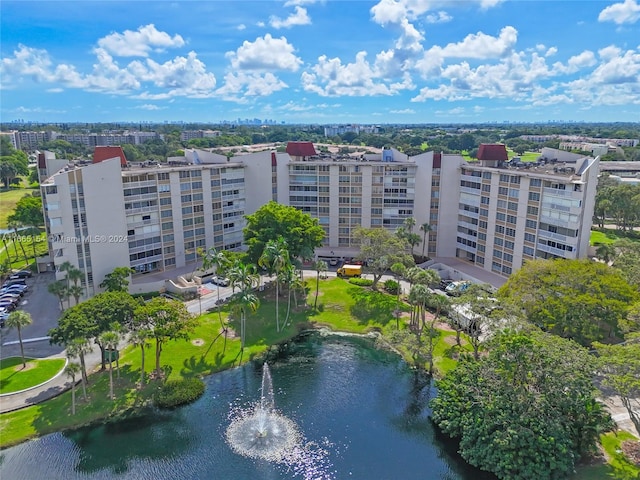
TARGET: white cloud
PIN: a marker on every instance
(266, 53)
(299, 17)
(291, 3)
(405, 111)
(481, 45)
(438, 17)
(239, 85)
(620, 13)
(140, 42)
(486, 4)
(551, 52)
(182, 76)
(526, 77)
(241, 27)
(329, 77)
(150, 107)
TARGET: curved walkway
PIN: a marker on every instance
(53, 388)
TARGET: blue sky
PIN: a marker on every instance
(331, 61)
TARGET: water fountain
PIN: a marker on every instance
(261, 431)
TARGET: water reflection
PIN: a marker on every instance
(363, 407)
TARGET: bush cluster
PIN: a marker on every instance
(361, 282)
(179, 392)
(391, 286)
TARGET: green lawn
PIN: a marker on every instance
(618, 467)
(8, 200)
(598, 238)
(13, 251)
(13, 378)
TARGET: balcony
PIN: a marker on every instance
(557, 251)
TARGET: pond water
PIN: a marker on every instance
(361, 413)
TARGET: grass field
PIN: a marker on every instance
(599, 238)
(8, 200)
(13, 378)
(618, 466)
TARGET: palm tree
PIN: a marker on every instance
(139, 338)
(418, 297)
(19, 319)
(275, 258)
(59, 289)
(66, 267)
(425, 228)
(215, 259)
(399, 270)
(74, 275)
(288, 276)
(76, 292)
(72, 370)
(243, 300)
(320, 267)
(409, 223)
(13, 225)
(109, 340)
(79, 347)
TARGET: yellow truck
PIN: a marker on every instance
(350, 271)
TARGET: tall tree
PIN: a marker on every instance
(620, 369)
(71, 370)
(59, 289)
(109, 340)
(79, 347)
(118, 280)
(19, 319)
(527, 410)
(28, 212)
(301, 232)
(579, 299)
(217, 260)
(140, 338)
(425, 228)
(320, 266)
(166, 320)
(275, 258)
(380, 249)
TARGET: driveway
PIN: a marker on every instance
(45, 312)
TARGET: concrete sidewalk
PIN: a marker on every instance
(15, 401)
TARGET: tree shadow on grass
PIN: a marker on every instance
(372, 306)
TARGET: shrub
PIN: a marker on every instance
(391, 286)
(179, 392)
(361, 282)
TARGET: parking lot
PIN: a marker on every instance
(45, 311)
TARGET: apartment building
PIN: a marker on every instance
(103, 215)
(508, 214)
(492, 214)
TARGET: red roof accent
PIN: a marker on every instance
(274, 159)
(105, 153)
(437, 160)
(301, 149)
(492, 151)
(41, 161)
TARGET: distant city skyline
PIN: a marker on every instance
(320, 61)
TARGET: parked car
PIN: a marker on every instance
(10, 296)
(22, 274)
(14, 289)
(222, 281)
(15, 281)
(8, 305)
